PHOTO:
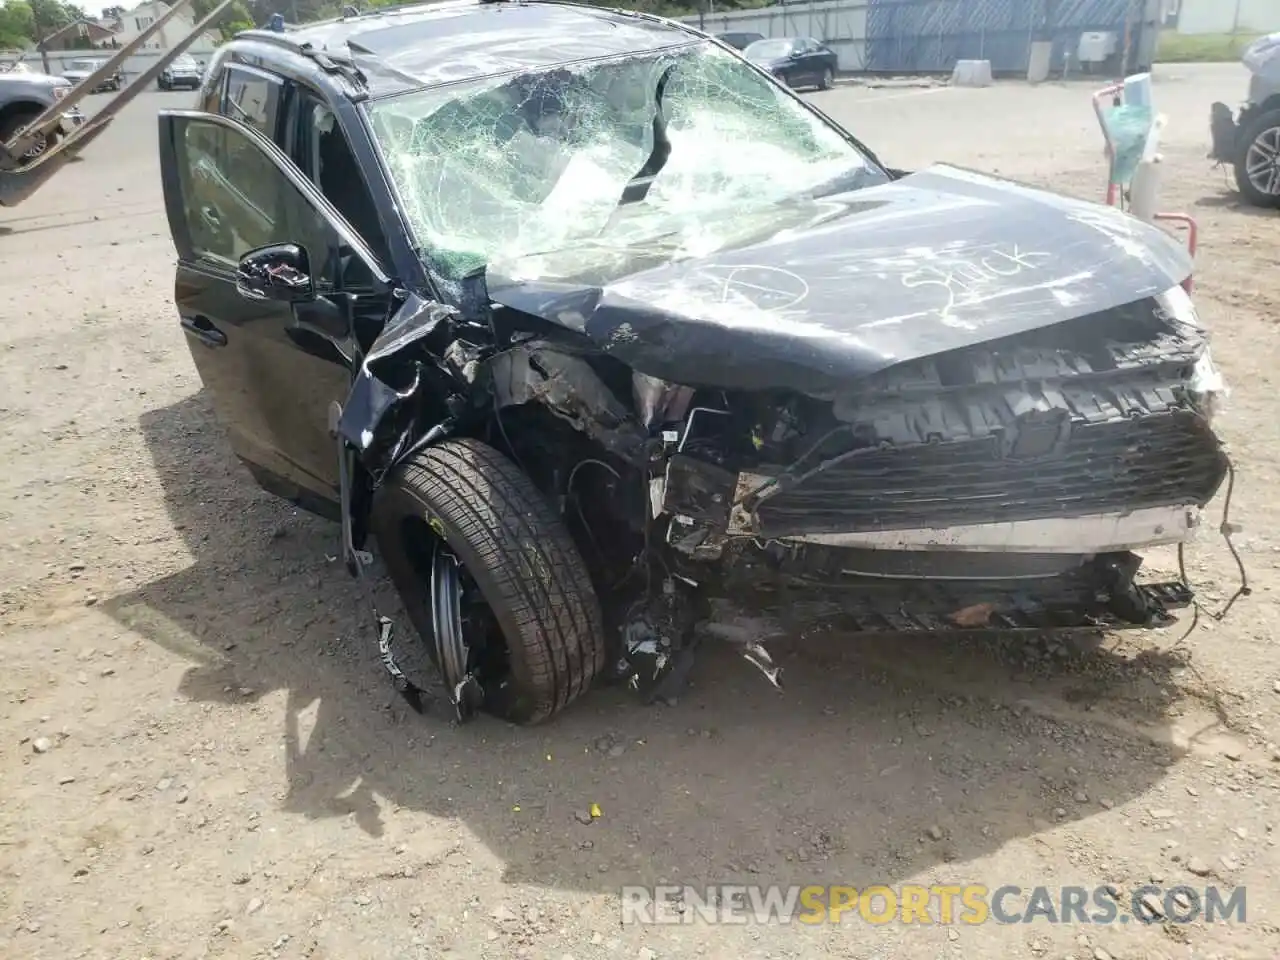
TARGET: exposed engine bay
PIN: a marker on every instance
(1001, 486)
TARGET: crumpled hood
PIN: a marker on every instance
(941, 259)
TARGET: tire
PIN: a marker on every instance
(522, 559)
(14, 125)
(827, 80)
(1259, 144)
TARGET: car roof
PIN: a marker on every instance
(400, 48)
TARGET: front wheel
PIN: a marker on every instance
(491, 579)
(827, 80)
(1257, 166)
(15, 125)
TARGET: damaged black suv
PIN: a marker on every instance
(611, 343)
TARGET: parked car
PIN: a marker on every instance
(184, 73)
(739, 41)
(81, 70)
(797, 62)
(1250, 142)
(601, 334)
(24, 95)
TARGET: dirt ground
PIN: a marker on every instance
(201, 757)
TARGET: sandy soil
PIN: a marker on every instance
(201, 757)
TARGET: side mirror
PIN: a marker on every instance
(280, 272)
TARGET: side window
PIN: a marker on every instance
(322, 152)
(234, 199)
(253, 98)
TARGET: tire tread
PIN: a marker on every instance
(529, 558)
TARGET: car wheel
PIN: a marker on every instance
(491, 579)
(15, 125)
(1257, 166)
(828, 79)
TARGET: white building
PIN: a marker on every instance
(133, 22)
(1227, 16)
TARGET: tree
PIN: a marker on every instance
(17, 24)
(49, 15)
(234, 19)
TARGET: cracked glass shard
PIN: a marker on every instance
(534, 174)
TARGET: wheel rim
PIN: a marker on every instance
(446, 614)
(37, 148)
(1262, 162)
(827, 78)
(466, 646)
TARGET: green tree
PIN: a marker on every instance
(17, 24)
(234, 19)
(49, 16)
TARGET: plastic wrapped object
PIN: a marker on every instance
(1128, 127)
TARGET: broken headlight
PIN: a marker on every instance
(1207, 387)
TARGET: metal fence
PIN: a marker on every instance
(927, 36)
(931, 35)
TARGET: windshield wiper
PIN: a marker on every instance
(638, 186)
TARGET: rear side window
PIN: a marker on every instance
(253, 98)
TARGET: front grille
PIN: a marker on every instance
(1166, 459)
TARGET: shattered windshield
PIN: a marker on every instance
(541, 174)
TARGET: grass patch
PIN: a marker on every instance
(1175, 47)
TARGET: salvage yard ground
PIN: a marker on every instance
(201, 757)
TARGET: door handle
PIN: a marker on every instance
(202, 328)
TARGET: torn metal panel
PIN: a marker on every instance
(658, 401)
(384, 381)
(568, 387)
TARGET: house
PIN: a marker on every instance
(133, 22)
(81, 34)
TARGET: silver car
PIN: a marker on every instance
(81, 70)
(24, 95)
(1250, 142)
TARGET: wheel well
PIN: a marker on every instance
(1256, 110)
(20, 108)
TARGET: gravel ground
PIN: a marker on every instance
(201, 757)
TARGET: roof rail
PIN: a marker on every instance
(263, 35)
(409, 5)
